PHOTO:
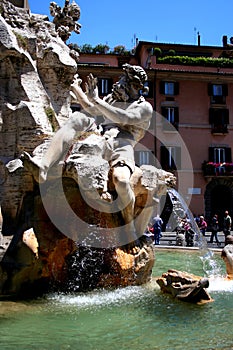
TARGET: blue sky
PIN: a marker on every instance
(171, 21)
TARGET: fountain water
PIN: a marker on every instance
(182, 211)
(125, 318)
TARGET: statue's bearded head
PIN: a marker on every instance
(133, 77)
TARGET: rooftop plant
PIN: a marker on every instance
(197, 61)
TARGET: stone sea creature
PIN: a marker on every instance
(185, 286)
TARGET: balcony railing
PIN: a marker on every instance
(217, 169)
(219, 129)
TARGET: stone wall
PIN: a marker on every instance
(36, 70)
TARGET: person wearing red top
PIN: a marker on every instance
(202, 225)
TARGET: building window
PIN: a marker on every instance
(218, 93)
(144, 157)
(170, 157)
(220, 154)
(171, 118)
(104, 86)
(219, 119)
(169, 88)
(220, 162)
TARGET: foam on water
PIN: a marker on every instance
(100, 297)
(220, 284)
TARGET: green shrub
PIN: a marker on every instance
(86, 48)
(157, 52)
(101, 48)
(120, 50)
(171, 52)
(197, 61)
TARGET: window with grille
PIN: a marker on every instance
(144, 157)
(104, 86)
(220, 154)
(171, 115)
(170, 157)
(218, 93)
(219, 120)
(169, 88)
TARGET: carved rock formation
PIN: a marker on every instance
(57, 236)
(185, 286)
(66, 239)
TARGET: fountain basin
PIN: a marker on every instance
(125, 318)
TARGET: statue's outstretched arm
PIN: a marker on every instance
(136, 112)
(78, 94)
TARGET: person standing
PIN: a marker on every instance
(214, 229)
(202, 225)
(227, 224)
(157, 223)
(189, 234)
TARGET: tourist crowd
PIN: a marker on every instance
(187, 229)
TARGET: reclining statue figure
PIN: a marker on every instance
(126, 115)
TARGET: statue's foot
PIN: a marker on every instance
(39, 173)
(106, 196)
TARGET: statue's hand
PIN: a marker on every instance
(75, 89)
(77, 81)
(92, 88)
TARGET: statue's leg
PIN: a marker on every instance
(59, 145)
(143, 219)
(126, 198)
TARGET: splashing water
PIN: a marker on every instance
(181, 210)
(101, 298)
(219, 284)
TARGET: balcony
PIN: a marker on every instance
(219, 130)
(217, 169)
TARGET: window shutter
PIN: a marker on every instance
(176, 118)
(228, 154)
(136, 157)
(99, 88)
(177, 162)
(225, 90)
(176, 115)
(211, 115)
(164, 112)
(164, 157)
(150, 93)
(162, 87)
(226, 116)
(152, 158)
(211, 154)
(176, 88)
(210, 89)
(110, 84)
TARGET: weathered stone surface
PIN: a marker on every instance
(71, 224)
(185, 286)
(36, 70)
